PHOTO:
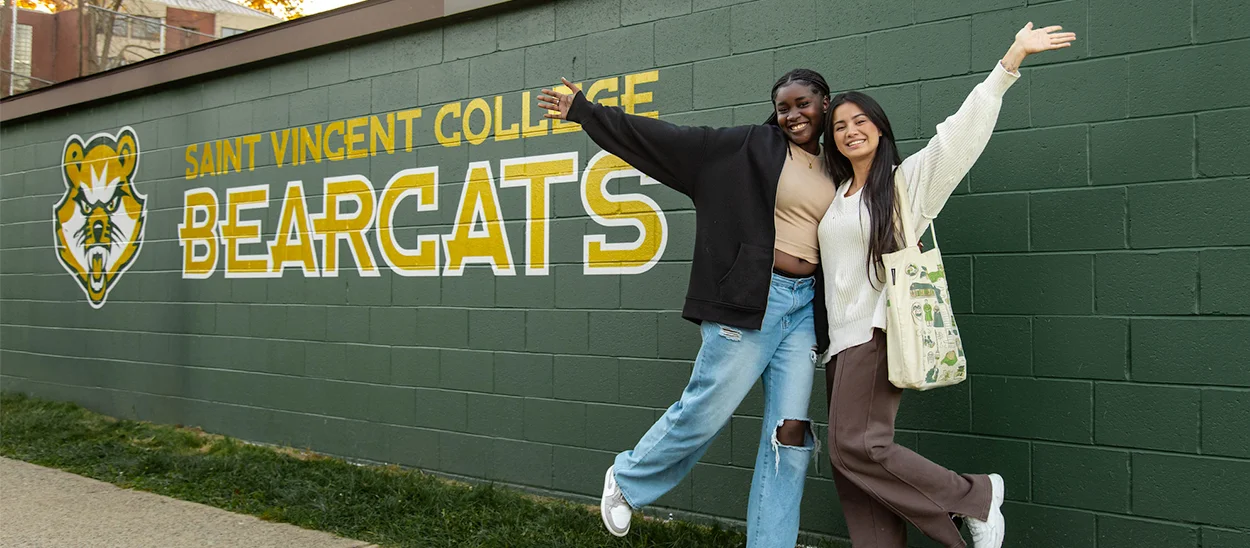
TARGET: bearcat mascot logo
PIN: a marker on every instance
(99, 222)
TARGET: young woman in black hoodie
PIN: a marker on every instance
(755, 289)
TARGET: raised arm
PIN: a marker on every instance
(933, 172)
(666, 152)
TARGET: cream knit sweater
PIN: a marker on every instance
(855, 305)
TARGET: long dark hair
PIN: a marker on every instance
(878, 191)
(801, 75)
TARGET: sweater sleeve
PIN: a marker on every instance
(934, 172)
(666, 152)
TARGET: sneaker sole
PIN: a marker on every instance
(996, 508)
(998, 501)
(603, 506)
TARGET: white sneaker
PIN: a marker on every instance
(989, 533)
(615, 511)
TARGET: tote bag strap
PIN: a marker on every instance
(904, 209)
(909, 233)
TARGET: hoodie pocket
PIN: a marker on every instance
(746, 283)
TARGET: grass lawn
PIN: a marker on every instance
(389, 506)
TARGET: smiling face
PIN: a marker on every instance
(800, 110)
(854, 133)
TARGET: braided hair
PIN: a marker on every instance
(802, 75)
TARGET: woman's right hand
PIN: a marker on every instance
(556, 103)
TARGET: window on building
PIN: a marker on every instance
(227, 31)
(22, 59)
(145, 28)
(189, 34)
(121, 26)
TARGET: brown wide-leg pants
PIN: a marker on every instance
(881, 483)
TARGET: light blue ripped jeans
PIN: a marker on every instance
(783, 353)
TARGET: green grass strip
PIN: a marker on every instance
(386, 505)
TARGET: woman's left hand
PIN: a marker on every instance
(1030, 40)
(1033, 40)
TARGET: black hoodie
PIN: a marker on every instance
(731, 176)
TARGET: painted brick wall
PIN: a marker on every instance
(1094, 252)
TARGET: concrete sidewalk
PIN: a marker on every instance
(46, 507)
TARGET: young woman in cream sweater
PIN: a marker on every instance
(881, 484)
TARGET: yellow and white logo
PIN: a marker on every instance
(99, 222)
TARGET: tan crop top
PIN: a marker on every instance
(804, 193)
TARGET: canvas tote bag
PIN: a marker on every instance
(922, 341)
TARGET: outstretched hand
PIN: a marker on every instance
(1033, 40)
(1030, 40)
(556, 103)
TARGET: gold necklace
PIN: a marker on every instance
(807, 154)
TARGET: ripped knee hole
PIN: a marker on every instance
(793, 432)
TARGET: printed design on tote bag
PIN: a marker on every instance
(931, 311)
(98, 224)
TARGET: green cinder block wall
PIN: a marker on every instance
(1095, 253)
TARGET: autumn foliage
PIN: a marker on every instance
(51, 6)
(288, 9)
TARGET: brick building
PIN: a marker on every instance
(72, 42)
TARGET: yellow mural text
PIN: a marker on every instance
(332, 226)
(348, 139)
(293, 243)
(478, 235)
(638, 211)
(408, 233)
(473, 121)
(476, 120)
(238, 232)
(198, 233)
(421, 183)
(537, 174)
